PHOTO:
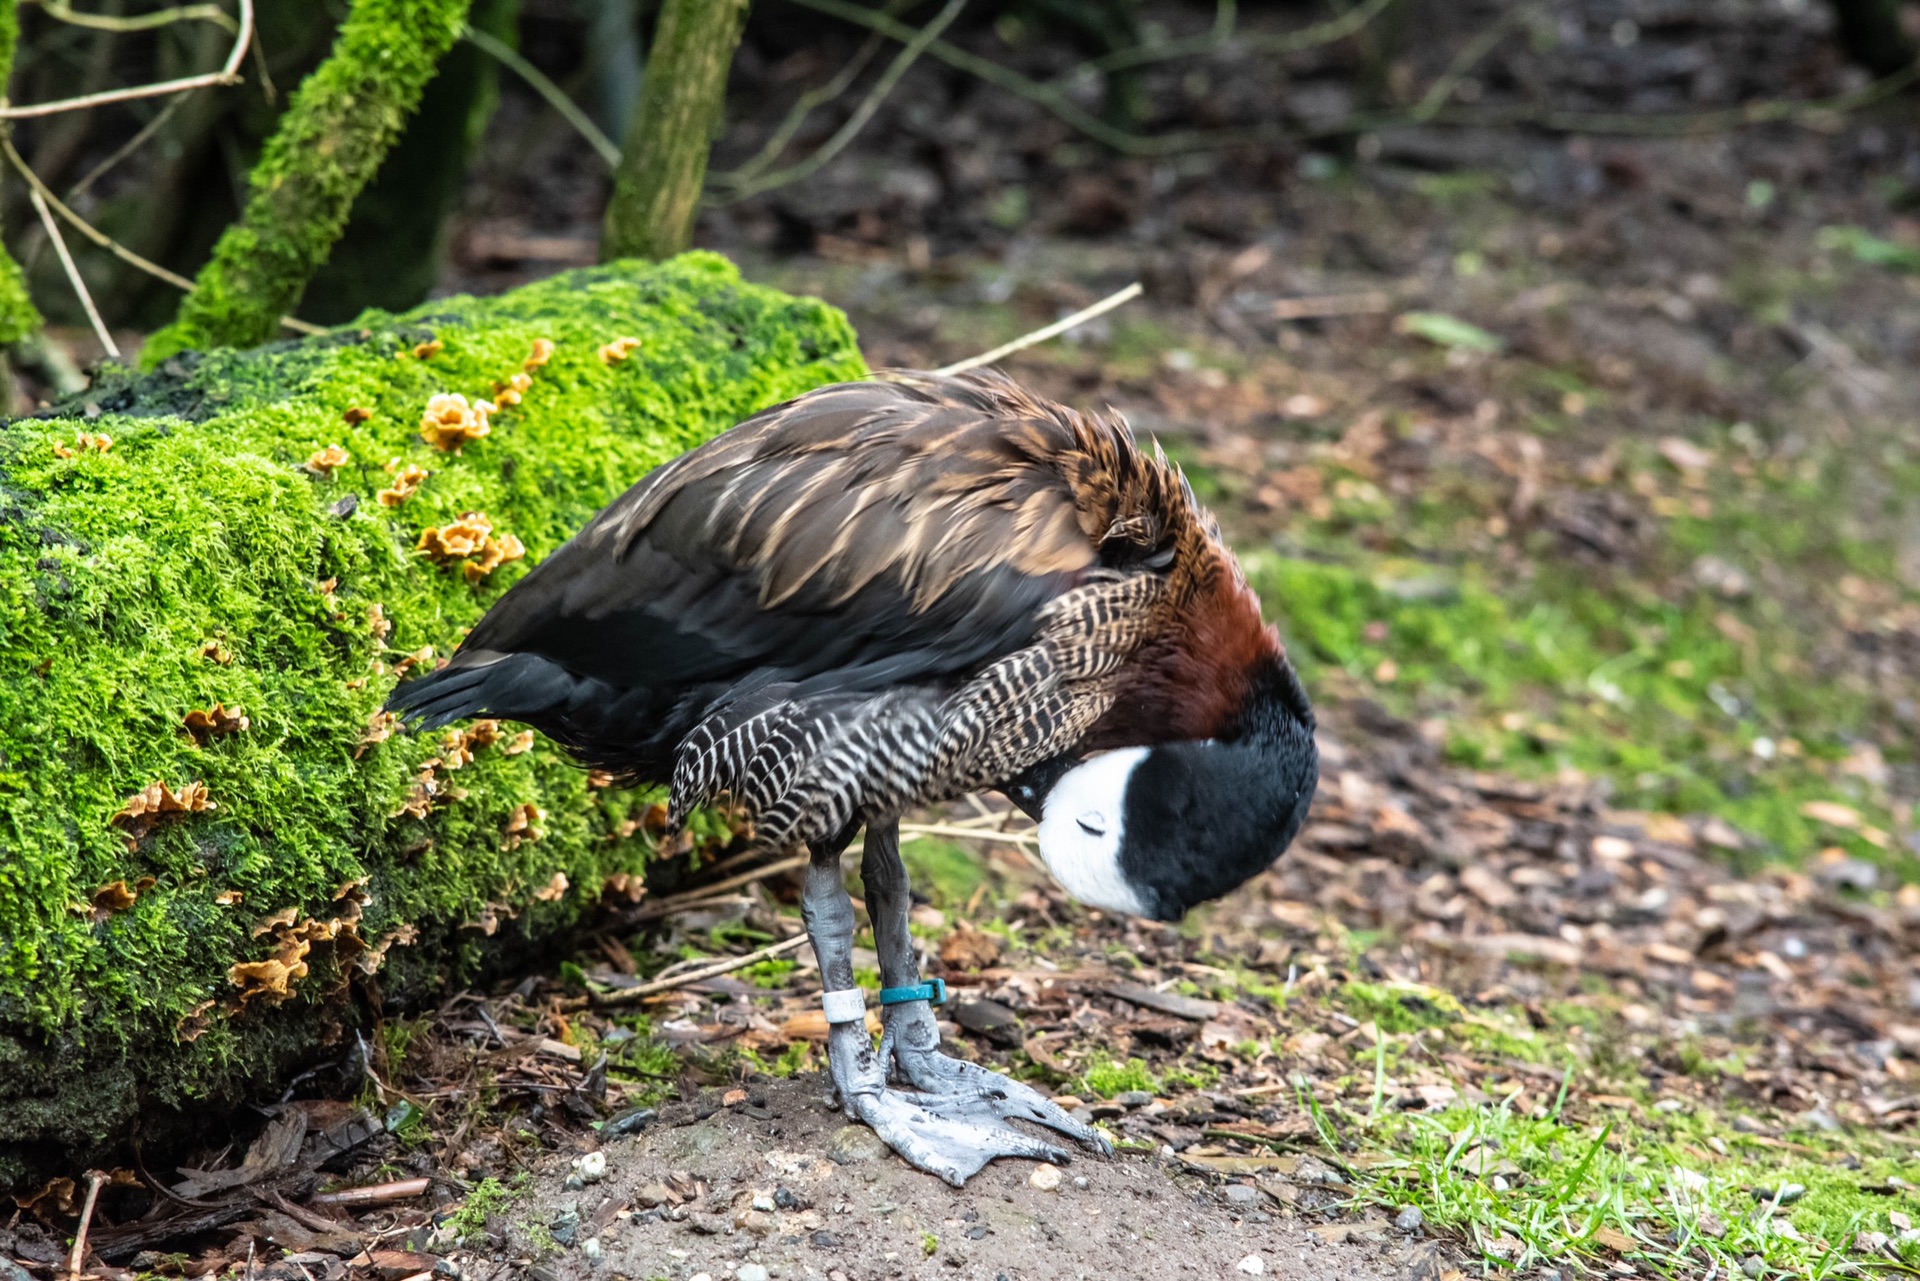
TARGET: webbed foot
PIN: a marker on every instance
(912, 1042)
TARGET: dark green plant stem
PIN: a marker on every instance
(18, 316)
(327, 148)
(663, 164)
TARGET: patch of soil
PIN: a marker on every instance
(862, 1213)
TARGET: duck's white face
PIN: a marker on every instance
(1082, 831)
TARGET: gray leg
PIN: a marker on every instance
(916, 1126)
(912, 1039)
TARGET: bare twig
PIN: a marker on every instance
(42, 192)
(85, 228)
(94, 1181)
(678, 902)
(1058, 327)
(539, 82)
(1798, 111)
(1223, 34)
(73, 274)
(227, 75)
(1471, 53)
(131, 145)
(966, 832)
(1047, 96)
(797, 115)
(629, 995)
(65, 12)
(908, 55)
(375, 1194)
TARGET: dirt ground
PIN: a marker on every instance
(831, 1203)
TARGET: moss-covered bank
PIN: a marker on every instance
(186, 901)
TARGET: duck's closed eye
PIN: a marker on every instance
(1093, 823)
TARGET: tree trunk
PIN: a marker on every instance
(663, 162)
(18, 318)
(211, 842)
(328, 146)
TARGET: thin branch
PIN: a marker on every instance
(1047, 96)
(1059, 326)
(537, 79)
(85, 228)
(65, 12)
(1799, 111)
(131, 145)
(227, 75)
(908, 55)
(631, 995)
(1223, 34)
(73, 275)
(674, 903)
(42, 192)
(797, 115)
(1470, 54)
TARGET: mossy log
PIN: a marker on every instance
(212, 843)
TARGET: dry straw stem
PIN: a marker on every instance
(1038, 336)
(228, 74)
(79, 1255)
(630, 995)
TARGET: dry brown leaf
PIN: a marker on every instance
(967, 948)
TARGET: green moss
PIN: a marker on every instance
(18, 316)
(199, 527)
(327, 147)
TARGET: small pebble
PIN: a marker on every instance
(1753, 1265)
(1045, 1177)
(1253, 1265)
(1133, 1099)
(1081, 1183)
(784, 1199)
(1410, 1219)
(763, 1203)
(1785, 1194)
(750, 1272)
(1242, 1194)
(591, 1247)
(592, 1167)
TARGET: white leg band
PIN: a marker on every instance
(848, 1006)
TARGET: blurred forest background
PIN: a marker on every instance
(1552, 365)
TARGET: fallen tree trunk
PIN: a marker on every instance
(210, 578)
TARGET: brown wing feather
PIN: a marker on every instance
(902, 527)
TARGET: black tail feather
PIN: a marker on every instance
(521, 687)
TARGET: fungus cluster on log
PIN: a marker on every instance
(146, 837)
